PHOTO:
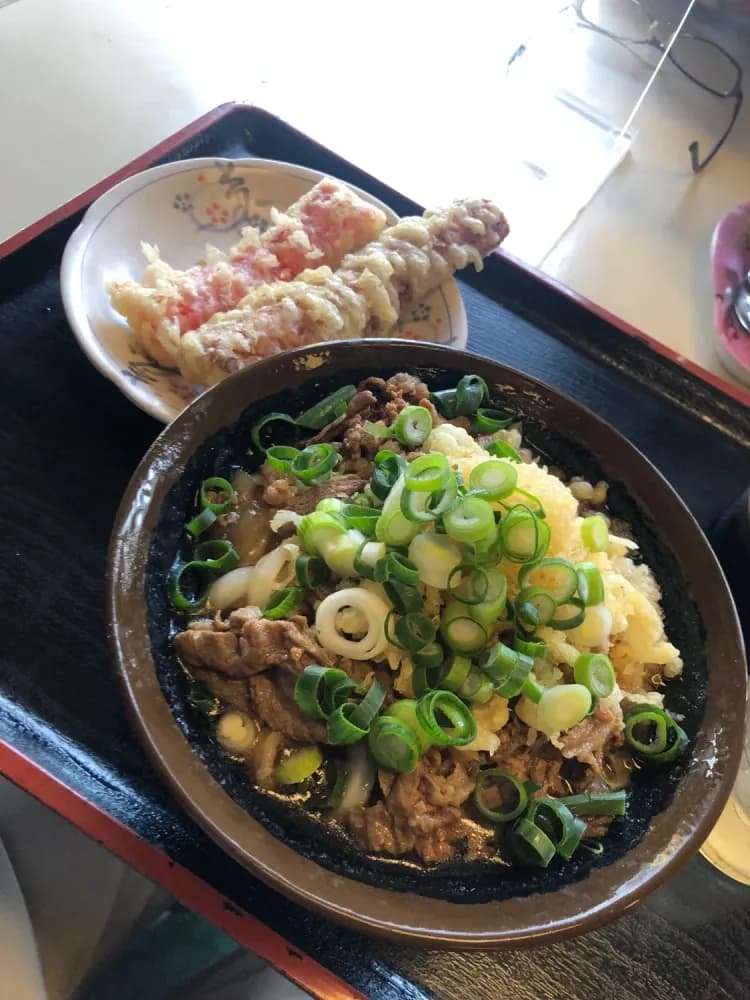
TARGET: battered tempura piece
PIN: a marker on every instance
(319, 229)
(362, 298)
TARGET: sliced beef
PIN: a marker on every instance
(420, 812)
(202, 645)
(377, 831)
(308, 498)
(407, 387)
(362, 400)
(403, 390)
(246, 644)
(530, 759)
(284, 643)
(279, 490)
(231, 694)
(592, 739)
(358, 449)
(273, 705)
(374, 385)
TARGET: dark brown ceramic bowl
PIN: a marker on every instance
(476, 905)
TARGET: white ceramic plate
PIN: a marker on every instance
(180, 207)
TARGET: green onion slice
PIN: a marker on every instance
(563, 706)
(534, 505)
(446, 719)
(405, 710)
(337, 687)
(428, 473)
(363, 714)
(595, 671)
(310, 687)
(495, 478)
(216, 484)
(531, 690)
(471, 392)
(508, 670)
(281, 456)
(501, 449)
(426, 678)
(535, 606)
(377, 430)
(492, 792)
(367, 558)
(394, 744)
(471, 586)
(430, 656)
(282, 603)
(499, 661)
(445, 401)
(389, 630)
(188, 586)
(457, 669)
(462, 401)
(341, 727)
(200, 523)
(398, 568)
(414, 631)
(361, 518)
(318, 529)
(590, 584)
(460, 632)
(595, 533)
(314, 463)
(413, 426)
(311, 571)
(298, 766)
(563, 828)
(404, 598)
(492, 607)
(487, 421)
(327, 409)
(270, 418)
(597, 803)
(388, 469)
(653, 734)
(530, 844)
(535, 648)
(569, 614)
(520, 532)
(477, 688)
(470, 520)
(216, 556)
(423, 506)
(555, 574)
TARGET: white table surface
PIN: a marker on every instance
(407, 91)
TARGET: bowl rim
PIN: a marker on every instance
(672, 846)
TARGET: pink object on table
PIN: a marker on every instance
(730, 267)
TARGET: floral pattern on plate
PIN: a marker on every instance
(180, 207)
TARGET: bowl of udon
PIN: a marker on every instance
(426, 645)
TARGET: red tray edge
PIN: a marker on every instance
(188, 888)
(167, 145)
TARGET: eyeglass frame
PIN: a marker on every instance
(734, 93)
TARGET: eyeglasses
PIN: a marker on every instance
(687, 53)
